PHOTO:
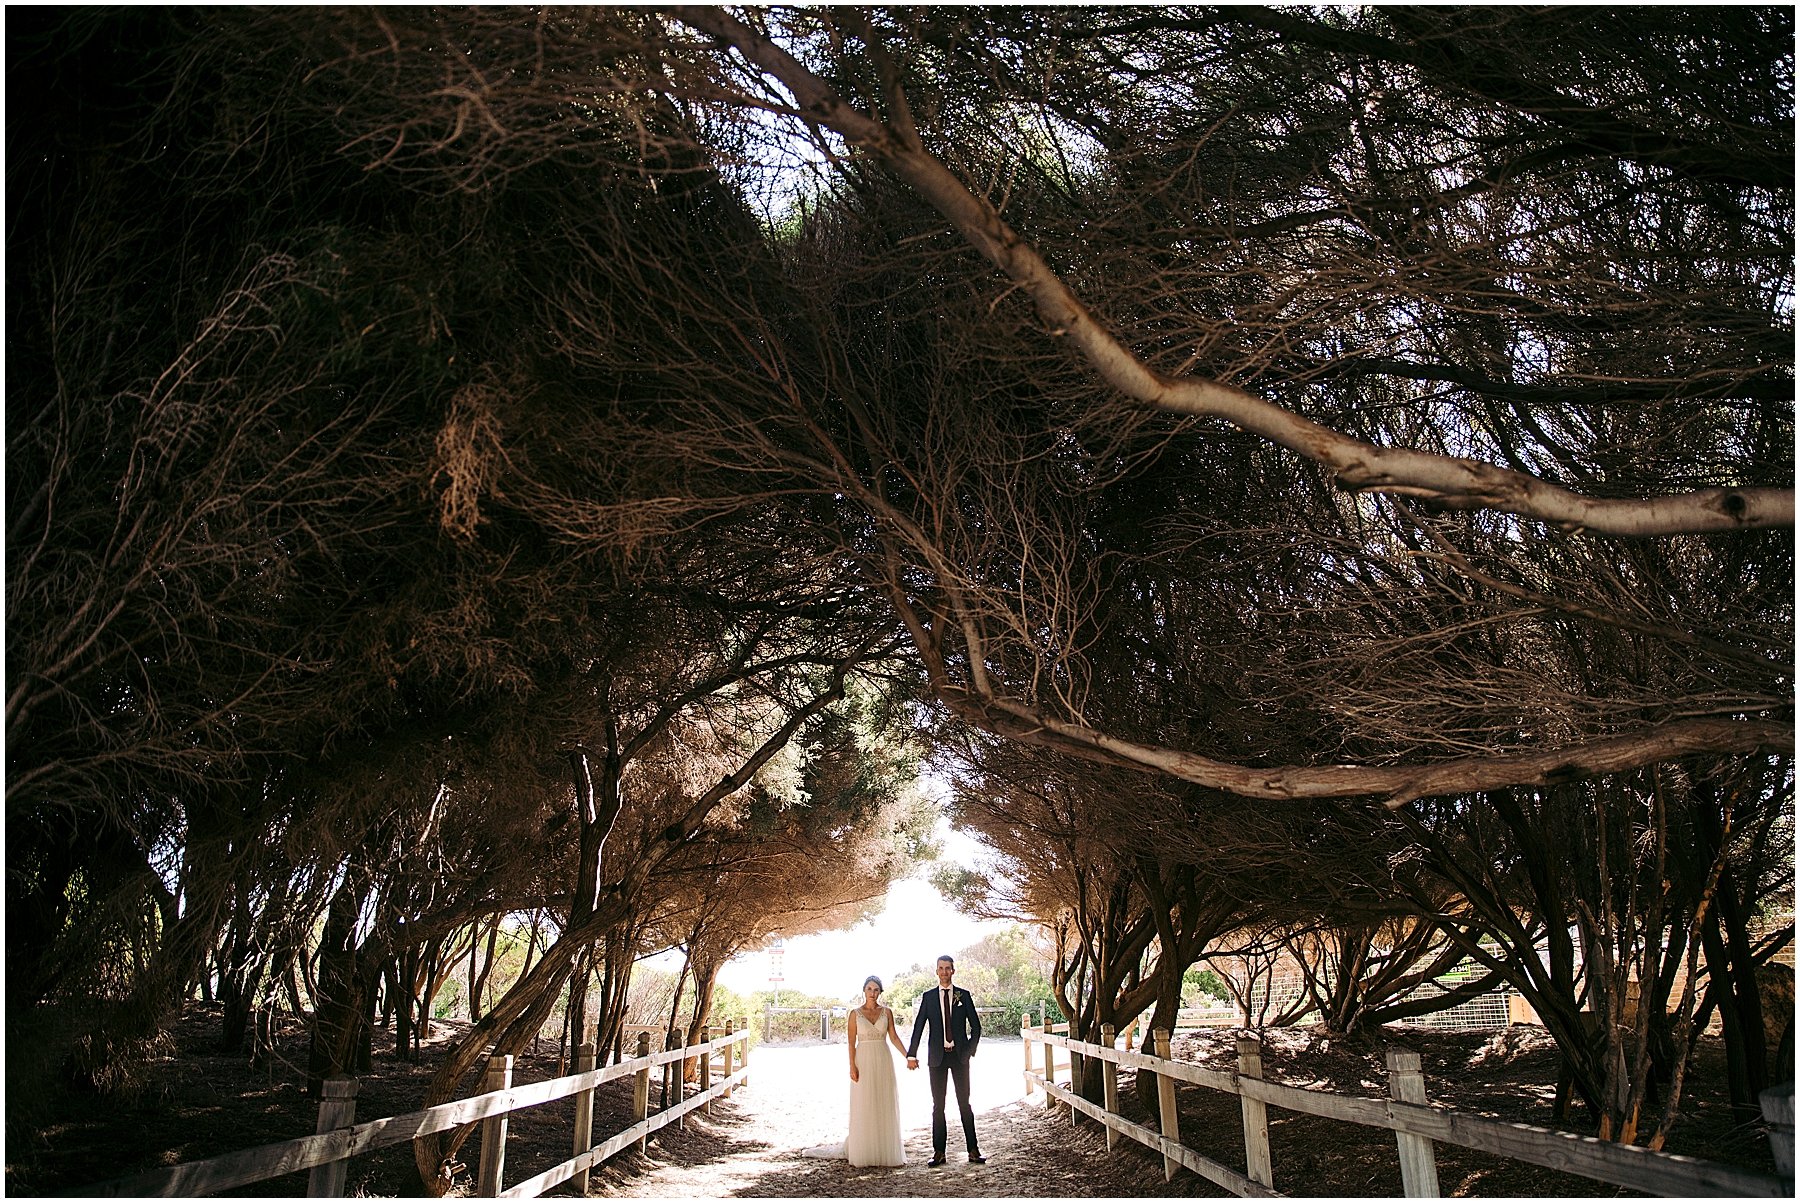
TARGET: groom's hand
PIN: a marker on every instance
(912, 1063)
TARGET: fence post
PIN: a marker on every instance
(769, 1022)
(640, 1092)
(1256, 1115)
(744, 1055)
(824, 1025)
(679, 1065)
(493, 1130)
(706, 1066)
(1110, 1073)
(584, 1113)
(1418, 1159)
(1025, 1039)
(1165, 1105)
(730, 1048)
(1050, 1100)
(1778, 1116)
(337, 1109)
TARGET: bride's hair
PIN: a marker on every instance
(876, 980)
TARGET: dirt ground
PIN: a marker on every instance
(197, 1103)
(800, 1098)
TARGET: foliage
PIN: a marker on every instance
(1008, 970)
(1202, 987)
(461, 469)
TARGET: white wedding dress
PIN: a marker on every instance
(874, 1137)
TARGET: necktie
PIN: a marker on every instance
(948, 1042)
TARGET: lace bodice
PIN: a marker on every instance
(866, 1026)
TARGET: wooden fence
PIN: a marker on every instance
(339, 1138)
(1417, 1126)
(1187, 1019)
(822, 1015)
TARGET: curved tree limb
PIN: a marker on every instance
(1399, 784)
(982, 706)
(1448, 481)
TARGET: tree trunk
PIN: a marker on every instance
(445, 956)
(503, 1030)
(615, 987)
(578, 1002)
(680, 985)
(1163, 1015)
(478, 981)
(235, 988)
(706, 979)
(160, 990)
(344, 998)
(399, 974)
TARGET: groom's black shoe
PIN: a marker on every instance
(937, 1159)
(976, 1158)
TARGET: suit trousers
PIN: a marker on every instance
(956, 1065)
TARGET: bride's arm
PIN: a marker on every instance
(892, 1034)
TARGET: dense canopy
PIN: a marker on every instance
(569, 453)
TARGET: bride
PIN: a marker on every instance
(874, 1137)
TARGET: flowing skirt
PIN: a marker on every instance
(874, 1137)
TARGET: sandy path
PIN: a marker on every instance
(799, 1097)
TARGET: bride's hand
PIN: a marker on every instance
(853, 1073)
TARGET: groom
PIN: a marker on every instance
(949, 1013)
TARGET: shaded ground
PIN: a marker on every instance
(196, 1103)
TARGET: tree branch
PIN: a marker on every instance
(1448, 481)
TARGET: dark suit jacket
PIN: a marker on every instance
(965, 1025)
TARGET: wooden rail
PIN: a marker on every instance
(1417, 1126)
(328, 1152)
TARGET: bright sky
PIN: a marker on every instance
(916, 928)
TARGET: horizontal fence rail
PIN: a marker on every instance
(327, 1154)
(1417, 1126)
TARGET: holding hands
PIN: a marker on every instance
(912, 1063)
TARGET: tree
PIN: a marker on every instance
(882, 85)
(1354, 313)
(204, 461)
(566, 407)
(1595, 924)
(813, 853)
(1129, 913)
(1748, 809)
(740, 706)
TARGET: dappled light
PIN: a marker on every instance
(513, 510)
